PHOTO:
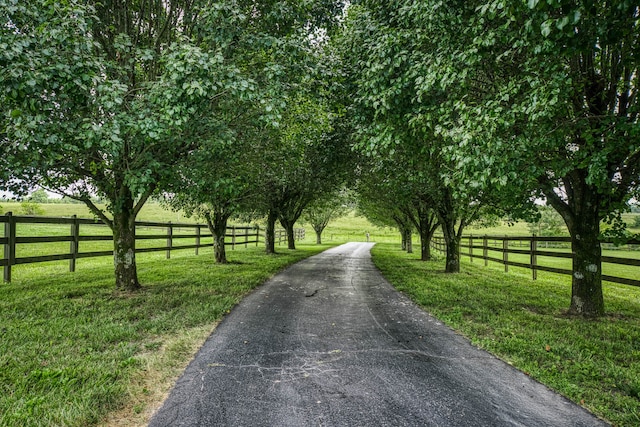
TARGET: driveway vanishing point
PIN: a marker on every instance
(329, 342)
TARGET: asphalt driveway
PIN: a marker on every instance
(329, 342)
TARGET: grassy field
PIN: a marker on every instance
(352, 228)
(151, 211)
(594, 363)
(73, 352)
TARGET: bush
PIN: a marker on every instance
(30, 208)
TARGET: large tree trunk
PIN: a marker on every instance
(218, 228)
(427, 226)
(408, 232)
(425, 247)
(318, 235)
(124, 248)
(586, 287)
(453, 247)
(287, 224)
(270, 233)
(291, 237)
(581, 215)
(448, 218)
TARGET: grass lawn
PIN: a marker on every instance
(74, 352)
(595, 363)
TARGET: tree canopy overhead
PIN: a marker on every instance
(481, 103)
(514, 101)
(105, 98)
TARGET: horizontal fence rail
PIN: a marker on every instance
(498, 248)
(174, 234)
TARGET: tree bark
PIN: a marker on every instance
(288, 226)
(447, 218)
(453, 247)
(124, 248)
(409, 239)
(427, 230)
(318, 237)
(586, 286)
(581, 215)
(270, 233)
(218, 228)
(425, 247)
(291, 237)
(427, 226)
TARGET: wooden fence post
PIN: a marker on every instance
(534, 256)
(169, 239)
(10, 246)
(75, 243)
(505, 254)
(470, 247)
(485, 250)
(246, 237)
(233, 238)
(197, 238)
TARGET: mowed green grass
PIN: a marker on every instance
(74, 352)
(151, 211)
(72, 349)
(595, 363)
(353, 228)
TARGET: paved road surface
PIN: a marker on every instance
(329, 342)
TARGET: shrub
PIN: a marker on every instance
(30, 208)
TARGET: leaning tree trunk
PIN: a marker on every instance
(270, 233)
(124, 249)
(218, 228)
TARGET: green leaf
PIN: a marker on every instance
(545, 28)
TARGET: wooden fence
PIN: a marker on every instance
(497, 249)
(174, 235)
